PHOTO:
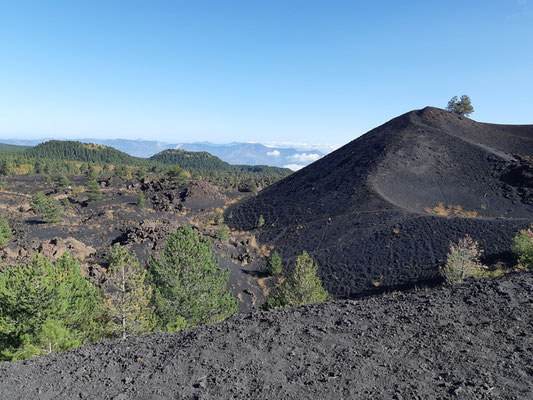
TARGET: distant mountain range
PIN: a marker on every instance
(233, 153)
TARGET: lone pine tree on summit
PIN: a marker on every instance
(461, 106)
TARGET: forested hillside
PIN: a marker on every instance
(72, 157)
(77, 151)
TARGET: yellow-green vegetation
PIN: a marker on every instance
(301, 285)
(46, 307)
(128, 300)
(463, 262)
(447, 210)
(219, 218)
(5, 232)
(178, 175)
(189, 287)
(222, 233)
(522, 248)
(260, 221)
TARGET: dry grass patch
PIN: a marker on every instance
(455, 210)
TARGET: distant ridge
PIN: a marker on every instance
(235, 153)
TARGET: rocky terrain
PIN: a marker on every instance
(472, 341)
(381, 211)
(88, 229)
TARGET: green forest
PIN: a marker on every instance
(72, 157)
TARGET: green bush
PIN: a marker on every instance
(5, 232)
(274, 264)
(46, 307)
(463, 262)
(141, 199)
(222, 233)
(301, 286)
(48, 208)
(178, 175)
(189, 288)
(522, 248)
(219, 219)
(260, 221)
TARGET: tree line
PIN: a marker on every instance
(67, 157)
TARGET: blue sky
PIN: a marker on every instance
(266, 71)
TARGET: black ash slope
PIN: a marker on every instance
(471, 341)
(362, 211)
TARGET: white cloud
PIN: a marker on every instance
(273, 153)
(304, 157)
(324, 148)
(294, 167)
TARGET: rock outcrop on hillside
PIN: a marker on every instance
(382, 210)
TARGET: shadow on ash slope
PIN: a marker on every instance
(472, 341)
(382, 210)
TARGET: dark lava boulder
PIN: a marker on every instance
(472, 341)
(382, 210)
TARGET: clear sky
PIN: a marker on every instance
(288, 70)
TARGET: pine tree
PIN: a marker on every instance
(141, 199)
(189, 287)
(48, 208)
(63, 183)
(46, 307)
(301, 286)
(460, 107)
(274, 264)
(93, 190)
(128, 304)
(261, 221)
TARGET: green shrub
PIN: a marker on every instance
(522, 248)
(141, 199)
(5, 232)
(178, 175)
(301, 286)
(222, 233)
(260, 221)
(274, 264)
(219, 219)
(463, 262)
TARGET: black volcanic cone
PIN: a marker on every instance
(372, 212)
